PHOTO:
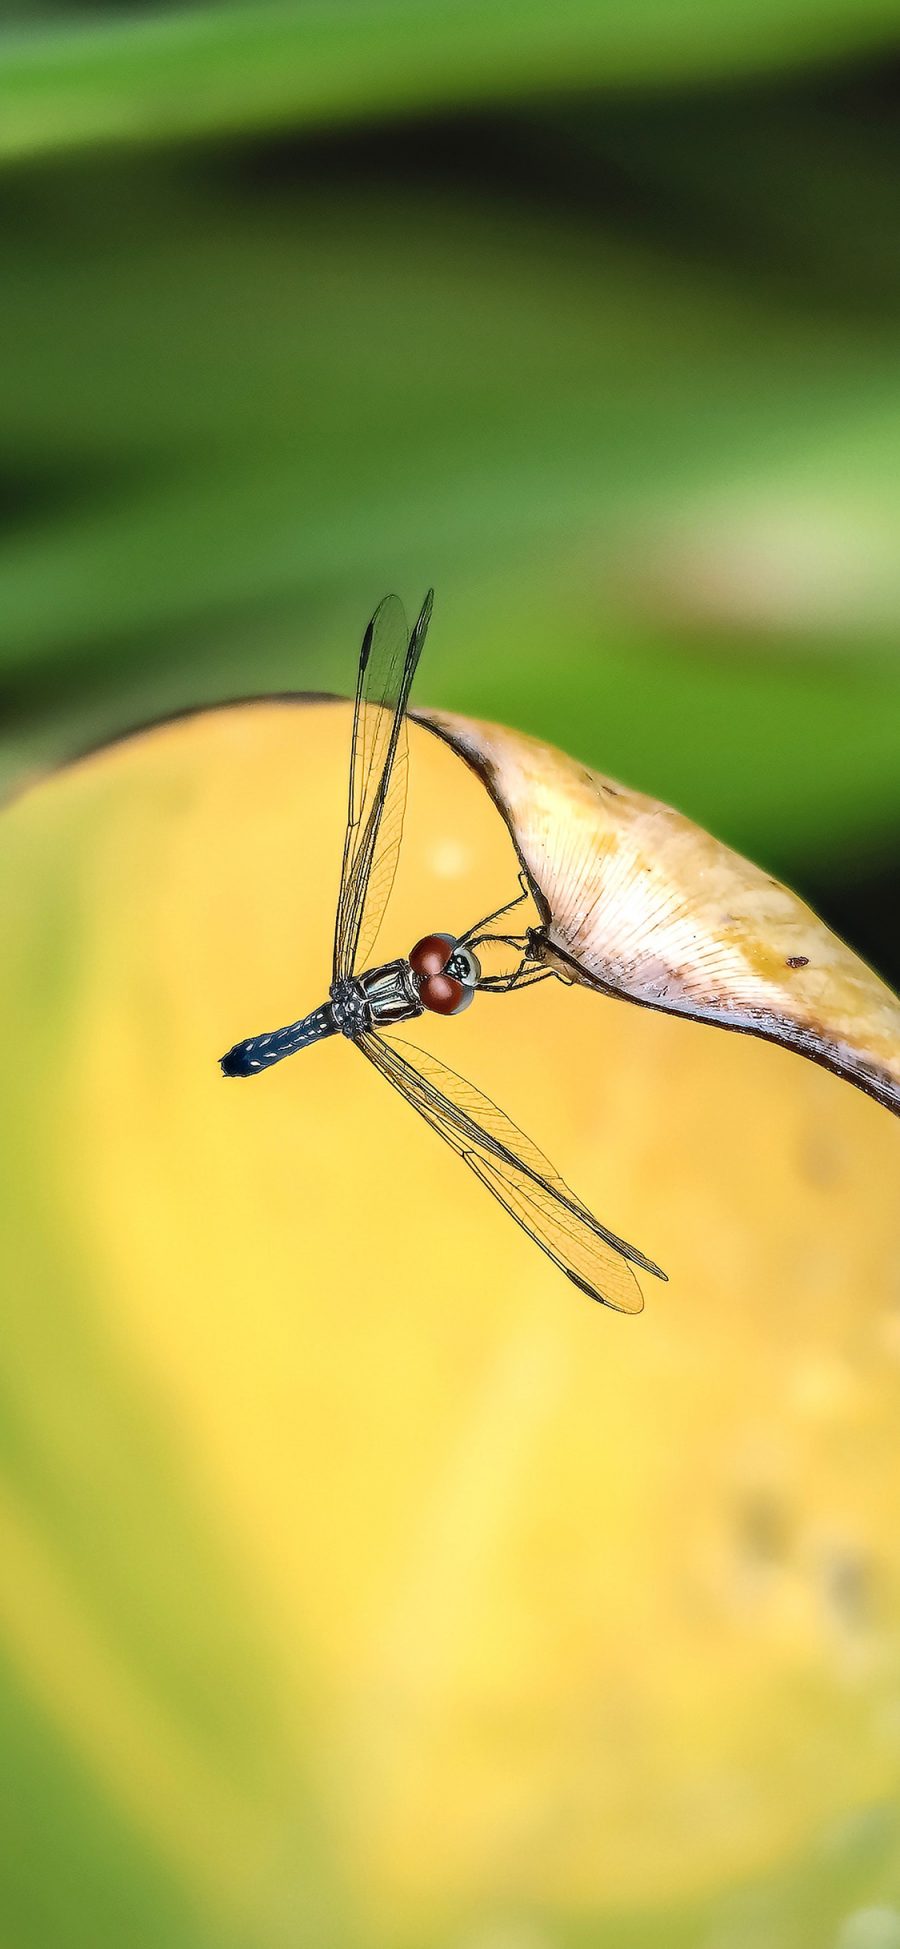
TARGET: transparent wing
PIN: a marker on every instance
(517, 1173)
(387, 664)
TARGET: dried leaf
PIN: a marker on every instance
(639, 902)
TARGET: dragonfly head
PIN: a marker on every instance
(446, 973)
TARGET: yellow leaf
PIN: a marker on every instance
(487, 1602)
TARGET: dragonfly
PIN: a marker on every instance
(441, 975)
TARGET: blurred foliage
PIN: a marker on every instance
(589, 314)
(175, 71)
(619, 373)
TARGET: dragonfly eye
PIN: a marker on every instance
(444, 996)
(453, 989)
(431, 954)
(446, 972)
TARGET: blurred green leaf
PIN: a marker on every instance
(214, 69)
(263, 409)
(252, 402)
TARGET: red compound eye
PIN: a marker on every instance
(431, 954)
(442, 994)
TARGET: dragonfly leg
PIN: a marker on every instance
(529, 970)
(524, 975)
(507, 940)
(476, 933)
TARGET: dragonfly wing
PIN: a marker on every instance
(517, 1173)
(377, 799)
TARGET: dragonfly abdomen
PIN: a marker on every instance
(261, 1051)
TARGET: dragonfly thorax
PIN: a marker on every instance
(376, 999)
(350, 1010)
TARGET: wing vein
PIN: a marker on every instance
(513, 1169)
(378, 779)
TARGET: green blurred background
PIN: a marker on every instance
(589, 314)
